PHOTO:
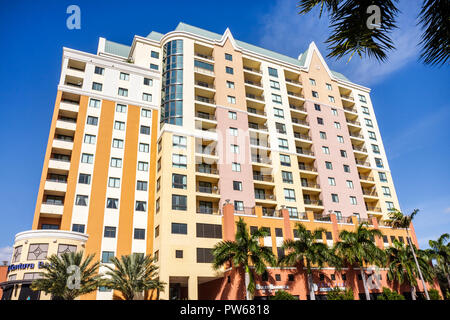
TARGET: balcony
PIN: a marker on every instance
(353, 122)
(209, 189)
(365, 220)
(259, 127)
(356, 135)
(206, 169)
(206, 150)
(359, 149)
(259, 143)
(204, 56)
(310, 185)
(65, 123)
(370, 193)
(296, 95)
(302, 136)
(50, 209)
(373, 209)
(59, 164)
(300, 122)
(321, 218)
(304, 167)
(205, 85)
(261, 160)
(54, 185)
(205, 100)
(256, 112)
(271, 212)
(69, 106)
(295, 108)
(62, 144)
(366, 178)
(293, 82)
(205, 116)
(264, 196)
(256, 84)
(347, 220)
(310, 202)
(252, 70)
(350, 109)
(254, 98)
(247, 211)
(362, 163)
(304, 152)
(208, 210)
(262, 178)
(347, 97)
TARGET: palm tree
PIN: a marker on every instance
(63, 281)
(132, 275)
(355, 32)
(358, 249)
(441, 253)
(244, 252)
(402, 221)
(307, 251)
(402, 268)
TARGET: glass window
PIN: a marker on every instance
(93, 121)
(383, 176)
(346, 168)
(316, 107)
(379, 162)
(328, 165)
(334, 197)
(229, 70)
(110, 232)
(148, 82)
(289, 194)
(154, 54)
(144, 147)
(372, 135)
(87, 158)
(179, 181)
(340, 139)
(234, 148)
(77, 228)
(331, 98)
(179, 202)
(90, 139)
(237, 185)
(276, 98)
(114, 182)
(37, 251)
(230, 84)
(228, 57)
(236, 167)
(239, 205)
(84, 178)
(142, 166)
(154, 66)
(123, 92)
(119, 125)
(368, 122)
(325, 150)
(179, 228)
(343, 154)
(99, 70)
(145, 130)
(275, 85)
(312, 82)
(323, 135)
(179, 161)
(273, 72)
(141, 206)
(112, 203)
(334, 111)
(232, 115)
(283, 144)
(375, 148)
(331, 181)
(118, 143)
(287, 177)
(179, 142)
(94, 103)
(231, 99)
(141, 185)
(279, 113)
(124, 76)
(353, 200)
(337, 125)
(106, 256)
(121, 108)
(147, 97)
(349, 184)
(315, 94)
(116, 162)
(139, 234)
(285, 160)
(328, 86)
(97, 86)
(319, 120)
(386, 191)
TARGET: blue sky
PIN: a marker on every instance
(411, 100)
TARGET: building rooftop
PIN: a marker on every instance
(123, 50)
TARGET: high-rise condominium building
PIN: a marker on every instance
(161, 146)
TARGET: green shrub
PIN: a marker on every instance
(434, 294)
(338, 294)
(390, 295)
(282, 295)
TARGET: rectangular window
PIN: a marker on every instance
(84, 178)
(94, 103)
(353, 200)
(349, 184)
(312, 82)
(179, 181)
(334, 112)
(328, 165)
(316, 107)
(331, 98)
(328, 86)
(114, 183)
(148, 82)
(179, 142)
(228, 57)
(118, 143)
(119, 125)
(365, 110)
(144, 147)
(145, 130)
(106, 256)
(231, 99)
(281, 127)
(179, 254)
(179, 161)
(234, 148)
(275, 85)
(273, 72)
(205, 230)
(236, 167)
(143, 166)
(77, 228)
(233, 132)
(81, 200)
(154, 66)
(112, 203)
(141, 185)
(110, 232)
(346, 168)
(390, 205)
(179, 202)
(204, 255)
(147, 97)
(93, 121)
(279, 113)
(285, 160)
(379, 163)
(372, 135)
(323, 135)
(154, 54)
(343, 154)
(283, 144)
(99, 70)
(89, 138)
(383, 176)
(237, 185)
(289, 194)
(141, 206)
(229, 70)
(124, 76)
(97, 86)
(276, 98)
(238, 205)
(230, 84)
(87, 158)
(325, 150)
(232, 115)
(319, 120)
(375, 148)
(334, 197)
(116, 162)
(331, 181)
(121, 108)
(139, 234)
(179, 228)
(362, 98)
(386, 191)
(122, 92)
(315, 94)
(368, 122)
(287, 177)
(337, 125)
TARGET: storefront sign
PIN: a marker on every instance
(271, 287)
(26, 266)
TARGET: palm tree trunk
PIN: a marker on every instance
(413, 292)
(417, 264)
(312, 295)
(247, 283)
(363, 276)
